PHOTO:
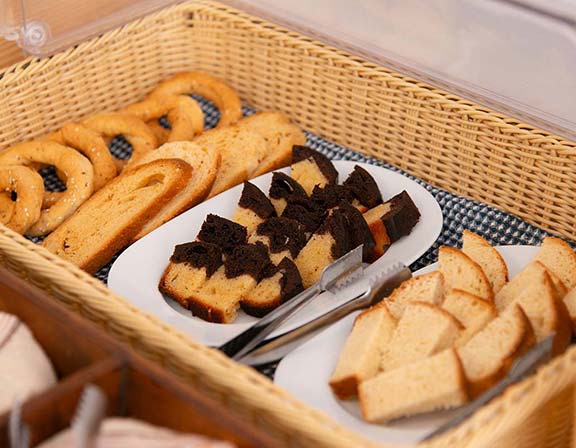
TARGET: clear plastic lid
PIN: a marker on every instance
(515, 56)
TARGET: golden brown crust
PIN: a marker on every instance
(108, 236)
(208, 86)
(21, 214)
(77, 169)
(345, 388)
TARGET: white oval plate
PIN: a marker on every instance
(136, 273)
(306, 372)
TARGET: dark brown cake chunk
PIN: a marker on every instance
(283, 234)
(279, 284)
(222, 232)
(282, 188)
(310, 168)
(363, 187)
(358, 230)
(198, 254)
(254, 199)
(250, 259)
(331, 195)
(402, 217)
(306, 212)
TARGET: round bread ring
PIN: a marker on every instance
(76, 168)
(132, 128)
(184, 114)
(29, 188)
(210, 87)
(93, 146)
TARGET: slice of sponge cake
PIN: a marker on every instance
(461, 272)
(360, 357)
(424, 288)
(410, 343)
(434, 383)
(489, 259)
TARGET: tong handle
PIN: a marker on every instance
(240, 345)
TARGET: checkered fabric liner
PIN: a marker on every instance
(459, 213)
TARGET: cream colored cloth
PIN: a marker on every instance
(127, 433)
(24, 368)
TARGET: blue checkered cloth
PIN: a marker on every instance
(459, 213)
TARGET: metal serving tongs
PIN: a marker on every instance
(376, 289)
(524, 366)
(334, 276)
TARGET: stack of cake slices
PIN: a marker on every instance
(446, 337)
(275, 246)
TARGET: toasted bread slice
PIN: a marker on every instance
(204, 165)
(546, 312)
(280, 136)
(559, 258)
(410, 343)
(424, 288)
(241, 151)
(110, 219)
(489, 259)
(472, 311)
(514, 287)
(360, 357)
(570, 302)
(434, 383)
(490, 353)
(461, 272)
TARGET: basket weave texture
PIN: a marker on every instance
(431, 134)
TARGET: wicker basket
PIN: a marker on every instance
(441, 138)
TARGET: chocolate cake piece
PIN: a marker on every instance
(310, 168)
(284, 237)
(391, 221)
(282, 188)
(223, 232)
(331, 195)
(253, 208)
(218, 299)
(329, 242)
(358, 230)
(364, 188)
(306, 212)
(279, 284)
(190, 266)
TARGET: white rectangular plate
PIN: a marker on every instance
(136, 273)
(307, 370)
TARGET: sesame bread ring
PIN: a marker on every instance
(28, 185)
(76, 168)
(132, 128)
(184, 114)
(210, 87)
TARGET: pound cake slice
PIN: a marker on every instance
(253, 208)
(560, 259)
(364, 189)
(280, 135)
(360, 357)
(305, 211)
(218, 299)
(190, 266)
(310, 168)
(545, 310)
(222, 232)
(116, 213)
(490, 353)
(204, 165)
(282, 188)
(358, 230)
(489, 259)
(331, 195)
(410, 344)
(330, 242)
(391, 221)
(241, 151)
(283, 237)
(511, 290)
(427, 288)
(428, 385)
(278, 284)
(461, 272)
(472, 311)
